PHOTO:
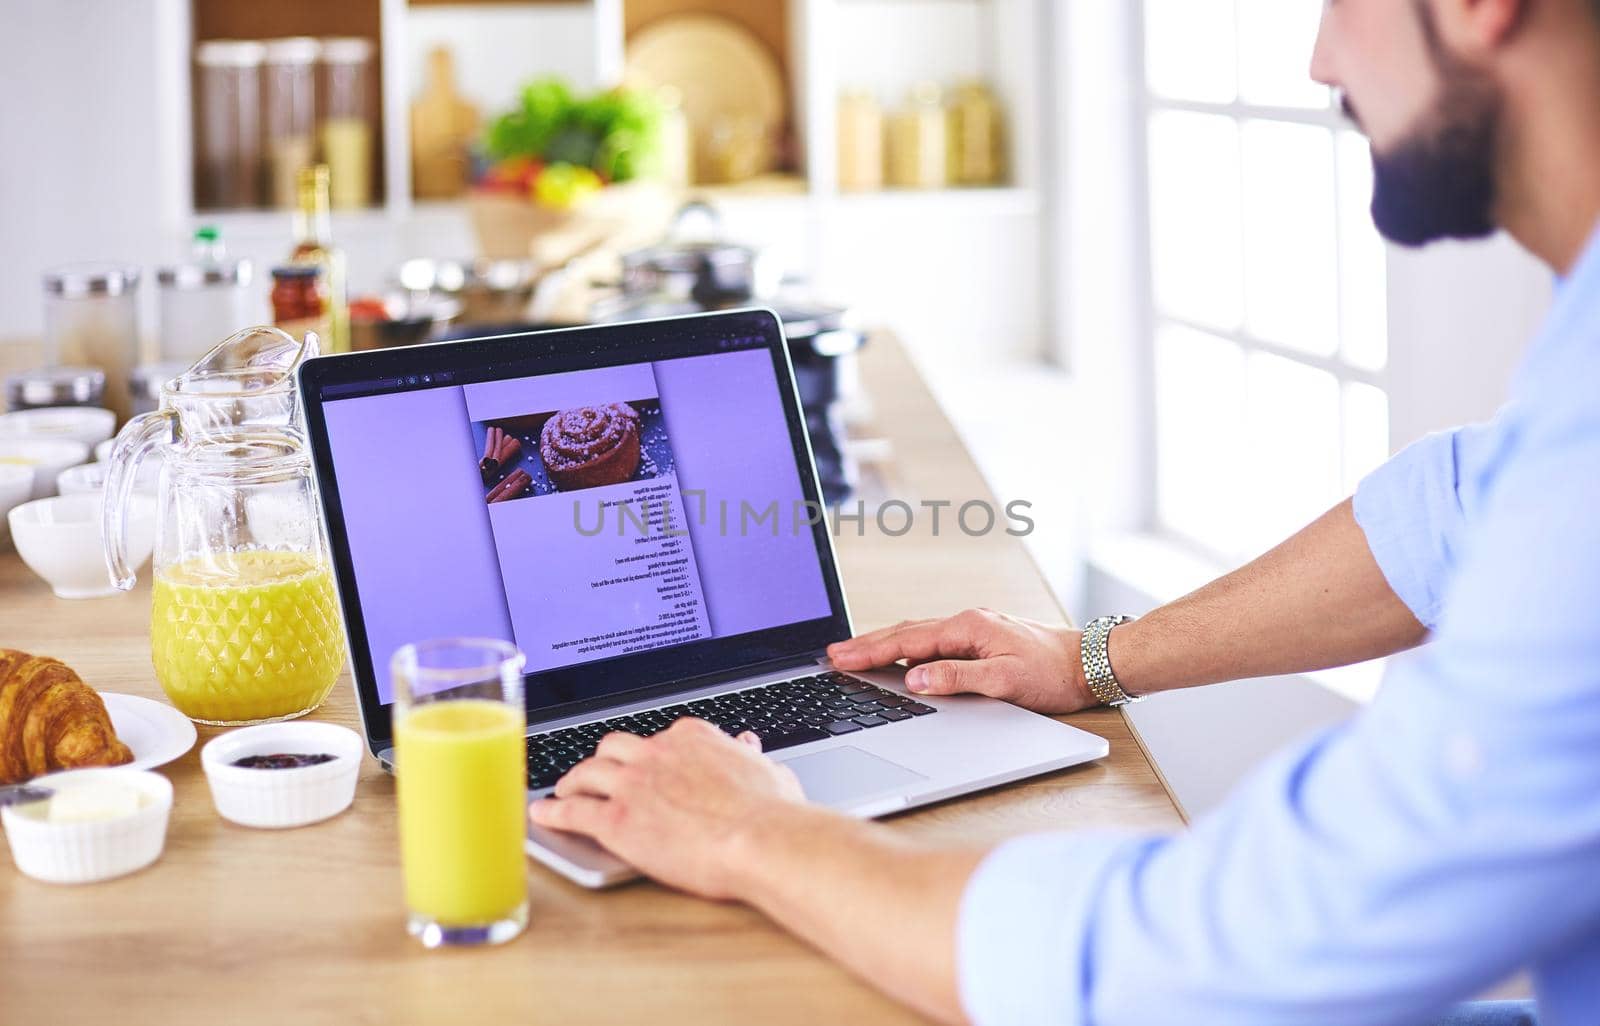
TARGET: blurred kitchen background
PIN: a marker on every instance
(1127, 244)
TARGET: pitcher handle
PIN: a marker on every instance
(134, 442)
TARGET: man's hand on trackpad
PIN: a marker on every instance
(979, 652)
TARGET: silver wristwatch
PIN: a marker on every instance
(1097, 664)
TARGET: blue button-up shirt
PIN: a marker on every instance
(1443, 838)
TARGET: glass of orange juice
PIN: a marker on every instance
(460, 769)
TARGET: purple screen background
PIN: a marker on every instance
(421, 542)
(725, 419)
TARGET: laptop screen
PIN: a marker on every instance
(627, 507)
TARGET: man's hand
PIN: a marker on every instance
(982, 652)
(708, 814)
(675, 806)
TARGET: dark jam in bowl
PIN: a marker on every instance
(282, 760)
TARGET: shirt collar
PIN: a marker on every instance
(1574, 315)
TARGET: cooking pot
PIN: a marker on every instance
(699, 268)
(489, 291)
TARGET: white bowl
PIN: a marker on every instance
(91, 477)
(278, 798)
(88, 425)
(102, 452)
(84, 479)
(16, 487)
(90, 851)
(47, 456)
(60, 540)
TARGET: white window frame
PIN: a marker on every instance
(1458, 315)
(1241, 113)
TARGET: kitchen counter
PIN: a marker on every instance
(302, 926)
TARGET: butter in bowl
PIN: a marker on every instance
(89, 825)
(280, 775)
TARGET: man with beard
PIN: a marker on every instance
(1442, 839)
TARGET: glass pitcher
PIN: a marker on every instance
(245, 624)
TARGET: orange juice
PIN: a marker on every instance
(459, 769)
(254, 637)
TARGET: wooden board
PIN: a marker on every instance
(305, 926)
(767, 20)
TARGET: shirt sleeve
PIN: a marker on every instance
(1413, 510)
(1375, 873)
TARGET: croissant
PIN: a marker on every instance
(51, 720)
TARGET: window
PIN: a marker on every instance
(1266, 275)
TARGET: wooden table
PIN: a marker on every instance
(240, 925)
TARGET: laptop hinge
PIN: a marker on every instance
(796, 662)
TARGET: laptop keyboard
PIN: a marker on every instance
(785, 714)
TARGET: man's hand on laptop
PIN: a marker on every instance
(674, 806)
(710, 815)
(980, 651)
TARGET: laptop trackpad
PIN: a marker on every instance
(842, 777)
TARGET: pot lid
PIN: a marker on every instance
(684, 250)
(688, 257)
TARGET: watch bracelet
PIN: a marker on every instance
(1094, 653)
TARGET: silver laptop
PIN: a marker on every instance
(637, 508)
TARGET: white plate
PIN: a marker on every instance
(157, 733)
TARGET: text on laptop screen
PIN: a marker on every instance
(584, 515)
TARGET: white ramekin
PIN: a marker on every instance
(277, 798)
(85, 852)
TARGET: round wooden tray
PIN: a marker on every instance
(724, 74)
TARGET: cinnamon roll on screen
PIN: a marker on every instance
(591, 446)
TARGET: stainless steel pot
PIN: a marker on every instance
(489, 291)
(699, 267)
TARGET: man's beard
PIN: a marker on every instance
(1439, 183)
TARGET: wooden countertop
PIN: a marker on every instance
(302, 926)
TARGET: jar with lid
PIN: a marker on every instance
(977, 154)
(918, 155)
(55, 386)
(229, 146)
(202, 301)
(144, 387)
(291, 114)
(91, 319)
(300, 300)
(347, 120)
(860, 142)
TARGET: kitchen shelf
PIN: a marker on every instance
(793, 197)
(811, 37)
(769, 185)
(885, 252)
(254, 223)
(999, 199)
(251, 19)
